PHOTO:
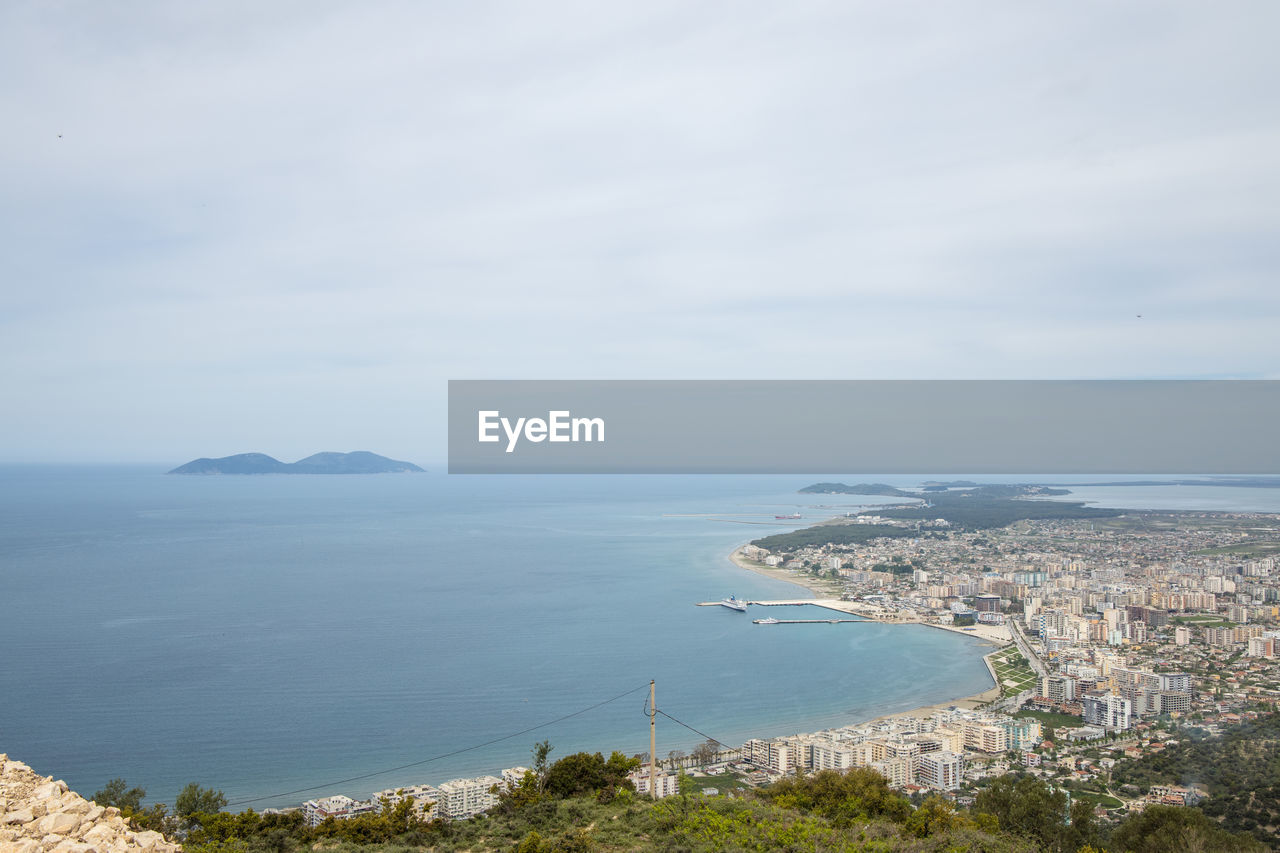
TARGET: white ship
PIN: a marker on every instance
(768, 620)
(734, 604)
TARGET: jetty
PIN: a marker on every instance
(808, 621)
(850, 607)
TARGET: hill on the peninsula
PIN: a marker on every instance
(859, 489)
(359, 462)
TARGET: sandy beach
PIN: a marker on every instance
(818, 588)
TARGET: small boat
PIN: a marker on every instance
(768, 620)
(734, 604)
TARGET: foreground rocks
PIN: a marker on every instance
(39, 815)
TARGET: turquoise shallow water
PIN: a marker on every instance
(266, 634)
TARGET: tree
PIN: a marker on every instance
(1173, 829)
(936, 814)
(524, 793)
(585, 772)
(1027, 807)
(118, 793)
(705, 753)
(540, 753)
(193, 800)
(843, 798)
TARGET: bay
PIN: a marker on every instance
(275, 636)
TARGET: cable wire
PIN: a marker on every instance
(442, 755)
(705, 735)
(695, 731)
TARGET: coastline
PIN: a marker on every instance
(816, 587)
(826, 589)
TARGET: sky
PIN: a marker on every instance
(283, 227)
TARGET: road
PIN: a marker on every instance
(1028, 652)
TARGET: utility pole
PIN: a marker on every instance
(653, 743)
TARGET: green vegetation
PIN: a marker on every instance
(1253, 550)
(118, 793)
(194, 799)
(1052, 718)
(1032, 809)
(1013, 672)
(859, 489)
(824, 811)
(1160, 829)
(994, 506)
(1240, 769)
(832, 534)
(588, 773)
(1202, 621)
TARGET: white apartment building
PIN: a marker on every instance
(773, 755)
(513, 775)
(426, 799)
(898, 771)
(464, 798)
(834, 755)
(339, 807)
(1108, 711)
(667, 784)
(941, 770)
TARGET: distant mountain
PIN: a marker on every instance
(359, 462)
(859, 489)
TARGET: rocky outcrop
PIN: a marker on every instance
(39, 815)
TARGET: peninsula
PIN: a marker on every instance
(358, 462)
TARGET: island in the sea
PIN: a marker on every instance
(358, 462)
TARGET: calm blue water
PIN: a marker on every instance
(266, 634)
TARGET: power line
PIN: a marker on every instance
(442, 755)
(692, 729)
(705, 735)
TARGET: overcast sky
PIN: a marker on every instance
(283, 226)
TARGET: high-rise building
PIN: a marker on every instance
(464, 798)
(941, 770)
(1107, 710)
(986, 603)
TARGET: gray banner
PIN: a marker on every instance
(865, 427)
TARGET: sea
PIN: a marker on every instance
(284, 637)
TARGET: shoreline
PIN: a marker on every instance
(816, 587)
(819, 589)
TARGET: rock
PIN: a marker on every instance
(45, 791)
(41, 815)
(70, 846)
(99, 833)
(150, 838)
(58, 823)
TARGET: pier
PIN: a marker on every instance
(808, 621)
(847, 607)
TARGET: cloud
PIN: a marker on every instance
(305, 217)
